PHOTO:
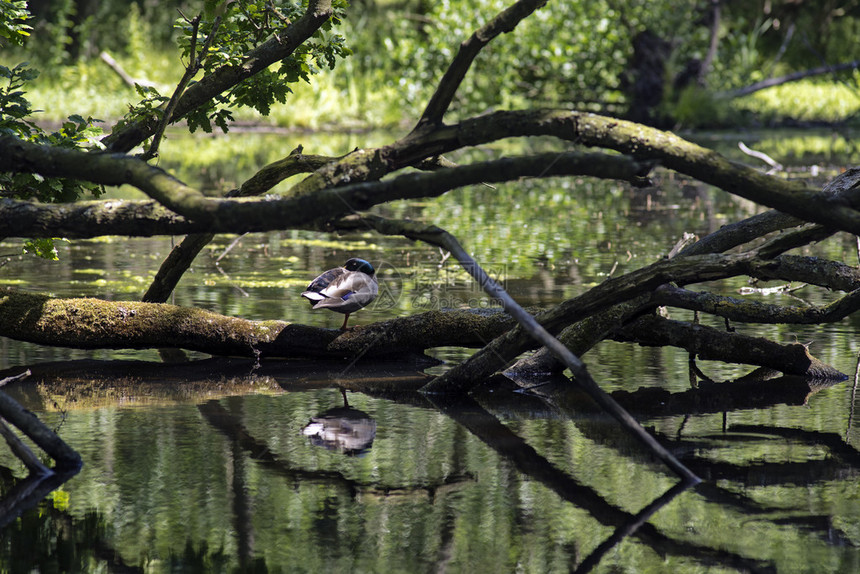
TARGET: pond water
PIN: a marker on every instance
(224, 465)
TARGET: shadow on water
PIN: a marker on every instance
(289, 425)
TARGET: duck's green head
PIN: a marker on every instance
(356, 264)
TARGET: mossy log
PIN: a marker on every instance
(88, 323)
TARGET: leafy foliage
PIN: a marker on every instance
(13, 15)
(149, 107)
(77, 132)
(43, 247)
(221, 36)
(566, 54)
(230, 30)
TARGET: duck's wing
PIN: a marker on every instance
(351, 285)
(349, 292)
(316, 291)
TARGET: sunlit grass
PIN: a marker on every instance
(350, 98)
(805, 100)
(811, 148)
(340, 97)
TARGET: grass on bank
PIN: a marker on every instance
(348, 97)
(340, 98)
(812, 101)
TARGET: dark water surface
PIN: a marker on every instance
(230, 466)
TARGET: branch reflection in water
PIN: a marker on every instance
(267, 452)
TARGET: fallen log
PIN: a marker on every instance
(88, 323)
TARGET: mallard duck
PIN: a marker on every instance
(344, 289)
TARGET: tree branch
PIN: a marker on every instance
(504, 22)
(190, 71)
(305, 211)
(756, 312)
(793, 77)
(271, 51)
(108, 169)
(180, 258)
(437, 236)
(833, 210)
(506, 348)
(641, 142)
(709, 343)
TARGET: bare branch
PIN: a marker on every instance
(709, 343)
(754, 311)
(793, 77)
(313, 201)
(107, 169)
(504, 22)
(181, 256)
(190, 71)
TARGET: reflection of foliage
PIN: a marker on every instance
(158, 480)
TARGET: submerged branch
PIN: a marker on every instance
(437, 236)
(713, 344)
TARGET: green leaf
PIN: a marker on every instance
(43, 247)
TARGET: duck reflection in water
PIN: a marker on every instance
(343, 429)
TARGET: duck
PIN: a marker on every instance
(344, 289)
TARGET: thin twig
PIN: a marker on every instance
(194, 64)
(774, 165)
(19, 377)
